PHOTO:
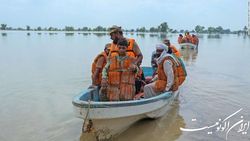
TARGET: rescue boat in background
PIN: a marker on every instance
(188, 45)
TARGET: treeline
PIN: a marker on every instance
(162, 28)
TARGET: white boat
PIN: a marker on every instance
(188, 45)
(108, 119)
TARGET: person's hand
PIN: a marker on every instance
(133, 67)
(104, 82)
(92, 86)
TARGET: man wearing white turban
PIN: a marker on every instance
(156, 54)
(168, 67)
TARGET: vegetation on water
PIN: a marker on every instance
(162, 28)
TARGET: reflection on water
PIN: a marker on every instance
(189, 55)
(100, 34)
(142, 35)
(4, 34)
(153, 35)
(165, 128)
(69, 34)
(213, 36)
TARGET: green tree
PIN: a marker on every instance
(39, 28)
(226, 31)
(27, 27)
(99, 28)
(85, 29)
(182, 31)
(3, 26)
(199, 29)
(142, 29)
(219, 29)
(163, 27)
(153, 29)
(211, 30)
(69, 28)
(245, 29)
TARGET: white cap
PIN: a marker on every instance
(161, 46)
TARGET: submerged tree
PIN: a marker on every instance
(69, 28)
(199, 29)
(3, 26)
(27, 27)
(163, 27)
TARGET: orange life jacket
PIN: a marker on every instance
(114, 49)
(184, 40)
(103, 54)
(179, 75)
(121, 80)
(189, 38)
(195, 40)
(175, 50)
(180, 40)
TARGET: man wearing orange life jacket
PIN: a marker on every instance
(170, 74)
(172, 47)
(188, 37)
(118, 76)
(180, 39)
(133, 48)
(195, 40)
(97, 66)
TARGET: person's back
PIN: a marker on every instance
(97, 66)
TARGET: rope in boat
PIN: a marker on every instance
(85, 119)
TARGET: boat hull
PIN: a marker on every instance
(109, 119)
(188, 45)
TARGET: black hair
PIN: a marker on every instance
(170, 51)
(122, 42)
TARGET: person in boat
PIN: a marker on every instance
(97, 66)
(118, 75)
(188, 37)
(170, 73)
(172, 47)
(132, 49)
(195, 39)
(156, 54)
(180, 39)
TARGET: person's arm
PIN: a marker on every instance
(138, 53)
(153, 60)
(105, 70)
(168, 70)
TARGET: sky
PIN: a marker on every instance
(179, 14)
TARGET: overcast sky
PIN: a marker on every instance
(179, 14)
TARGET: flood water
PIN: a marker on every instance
(39, 75)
